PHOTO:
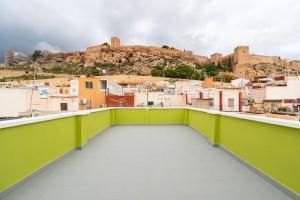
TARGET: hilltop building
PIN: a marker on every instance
(242, 62)
(8, 57)
(118, 49)
(115, 42)
(11, 57)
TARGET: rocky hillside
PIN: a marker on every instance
(107, 60)
(266, 69)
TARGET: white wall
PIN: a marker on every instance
(158, 97)
(54, 103)
(51, 101)
(213, 93)
(226, 95)
(291, 91)
(13, 101)
(114, 88)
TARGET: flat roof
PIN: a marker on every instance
(147, 162)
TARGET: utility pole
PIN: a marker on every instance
(34, 73)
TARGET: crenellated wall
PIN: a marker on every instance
(151, 50)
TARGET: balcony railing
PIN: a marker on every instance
(271, 146)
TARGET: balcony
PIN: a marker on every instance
(157, 153)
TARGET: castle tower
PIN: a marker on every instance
(215, 58)
(241, 55)
(115, 42)
(241, 62)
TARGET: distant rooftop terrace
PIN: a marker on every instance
(149, 153)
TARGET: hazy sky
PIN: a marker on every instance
(270, 27)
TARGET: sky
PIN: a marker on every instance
(269, 27)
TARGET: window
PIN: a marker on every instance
(211, 102)
(89, 85)
(63, 106)
(230, 102)
(150, 103)
(103, 84)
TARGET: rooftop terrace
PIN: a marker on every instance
(149, 154)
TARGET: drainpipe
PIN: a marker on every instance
(240, 102)
(220, 101)
(186, 99)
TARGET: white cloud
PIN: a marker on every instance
(204, 26)
(47, 46)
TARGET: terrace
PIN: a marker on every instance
(143, 153)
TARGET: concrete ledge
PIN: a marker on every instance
(280, 122)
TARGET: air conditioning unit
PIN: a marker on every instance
(83, 101)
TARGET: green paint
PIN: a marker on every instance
(27, 148)
(96, 122)
(272, 149)
(130, 116)
(167, 116)
(202, 122)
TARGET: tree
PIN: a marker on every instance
(106, 44)
(165, 47)
(94, 71)
(211, 70)
(184, 71)
(226, 66)
(202, 76)
(56, 69)
(224, 77)
(171, 73)
(36, 54)
(199, 66)
(157, 72)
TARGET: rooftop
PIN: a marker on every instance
(149, 153)
(147, 162)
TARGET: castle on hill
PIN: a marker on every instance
(241, 60)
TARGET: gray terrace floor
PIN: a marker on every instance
(158, 162)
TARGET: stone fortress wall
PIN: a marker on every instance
(242, 61)
(151, 50)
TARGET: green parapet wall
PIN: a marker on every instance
(269, 148)
(205, 123)
(130, 116)
(25, 149)
(95, 122)
(149, 116)
(168, 116)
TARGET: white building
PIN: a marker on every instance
(291, 91)
(111, 87)
(228, 100)
(158, 99)
(14, 102)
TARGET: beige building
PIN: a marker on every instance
(242, 61)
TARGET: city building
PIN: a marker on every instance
(15, 102)
(92, 92)
(226, 99)
(126, 100)
(158, 99)
(8, 57)
(55, 98)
